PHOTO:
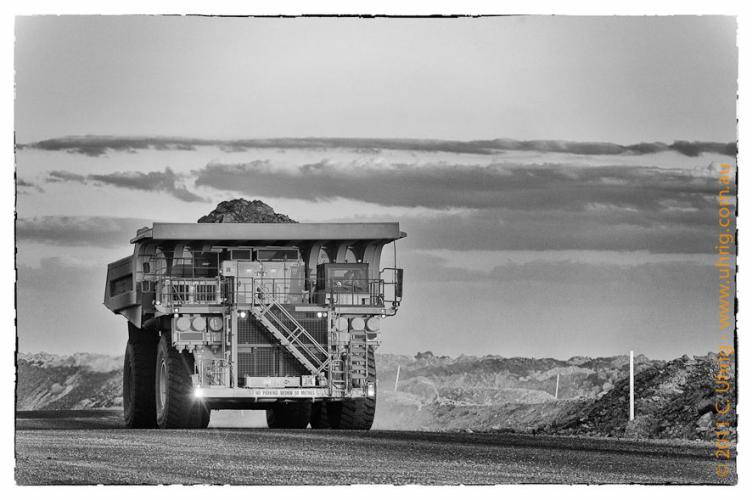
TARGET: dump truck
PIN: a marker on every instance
(276, 316)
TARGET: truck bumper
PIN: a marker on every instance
(212, 393)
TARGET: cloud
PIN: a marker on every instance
(166, 181)
(670, 232)
(519, 230)
(640, 276)
(533, 187)
(78, 231)
(93, 145)
(697, 148)
(63, 176)
(21, 183)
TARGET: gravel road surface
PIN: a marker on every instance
(92, 447)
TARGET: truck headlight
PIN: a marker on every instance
(371, 390)
(373, 324)
(199, 323)
(183, 323)
(215, 323)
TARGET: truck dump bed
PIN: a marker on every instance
(125, 294)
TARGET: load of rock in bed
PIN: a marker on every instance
(242, 210)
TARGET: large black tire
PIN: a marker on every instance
(289, 415)
(319, 416)
(356, 413)
(201, 416)
(176, 407)
(139, 410)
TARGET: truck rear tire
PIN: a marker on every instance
(289, 415)
(139, 411)
(356, 414)
(176, 407)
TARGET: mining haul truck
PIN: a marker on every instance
(277, 317)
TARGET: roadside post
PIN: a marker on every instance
(631, 385)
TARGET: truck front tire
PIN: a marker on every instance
(176, 406)
(138, 384)
(353, 414)
(356, 414)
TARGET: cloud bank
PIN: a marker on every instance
(653, 275)
(501, 206)
(93, 145)
(79, 231)
(167, 182)
(536, 187)
(22, 184)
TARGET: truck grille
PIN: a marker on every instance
(250, 331)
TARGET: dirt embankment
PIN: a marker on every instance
(673, 400)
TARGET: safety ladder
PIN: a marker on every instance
(338, 377)
(358, 357)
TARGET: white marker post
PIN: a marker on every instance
(556, 396)
(631, 385)
(396, 380)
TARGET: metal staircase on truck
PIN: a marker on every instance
(291, 334)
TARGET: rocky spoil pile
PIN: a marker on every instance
(673, 399)
(242, 210)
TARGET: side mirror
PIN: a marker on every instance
(398, 284)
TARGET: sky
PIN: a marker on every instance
(556, 176)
